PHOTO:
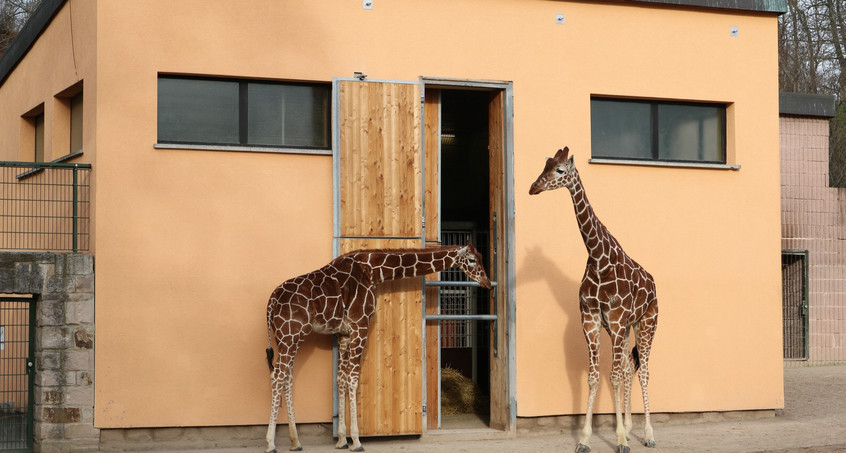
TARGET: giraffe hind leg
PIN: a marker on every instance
(282, 384)
(343, 389)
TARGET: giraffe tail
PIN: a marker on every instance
(269, 352)
(636, 358)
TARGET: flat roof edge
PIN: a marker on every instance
(30, 32)
(798, 104)
(763, 6)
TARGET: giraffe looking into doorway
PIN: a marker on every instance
(616, 293)
(339, 299)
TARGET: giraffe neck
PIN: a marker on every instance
(406, 263)
(594, 233)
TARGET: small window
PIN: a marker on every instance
(659, 131)
(32, 135)
(243, 113)
(38, 123)
(76, 123)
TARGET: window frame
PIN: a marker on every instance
(654, 135)
(243, 119)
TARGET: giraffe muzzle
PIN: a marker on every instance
(535, 189)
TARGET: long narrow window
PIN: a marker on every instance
(38, 123)
(76, 123)
(243, 113)
(659, 131)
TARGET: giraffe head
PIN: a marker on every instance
(560, 171)
(470, 261)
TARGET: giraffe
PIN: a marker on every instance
(616, 293)
(339, 299)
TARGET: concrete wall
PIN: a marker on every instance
(64, 344)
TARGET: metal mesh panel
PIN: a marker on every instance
(44, 207)
(15, 425)
(456, 301)
(794, 312)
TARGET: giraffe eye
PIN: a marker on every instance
(559, 170)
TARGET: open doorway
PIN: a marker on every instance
(465, 215)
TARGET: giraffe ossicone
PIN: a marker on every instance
(616, 294)
(339, 299)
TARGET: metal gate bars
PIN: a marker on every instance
(794, 276)
(17, 352)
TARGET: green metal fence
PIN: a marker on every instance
(45, 206)
(17, 360)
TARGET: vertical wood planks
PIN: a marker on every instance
(380, 200)
(432, 142)
(381, 167)
(499, 365)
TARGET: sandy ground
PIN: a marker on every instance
(813, 421)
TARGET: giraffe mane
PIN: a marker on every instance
(404, 250)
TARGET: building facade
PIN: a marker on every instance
(234, 147)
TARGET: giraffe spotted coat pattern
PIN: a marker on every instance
(339, 299)
(616, 294)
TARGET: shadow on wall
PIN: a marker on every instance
(565, 291)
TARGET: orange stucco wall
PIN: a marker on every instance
(190, 243)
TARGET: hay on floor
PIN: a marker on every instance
(460, 395)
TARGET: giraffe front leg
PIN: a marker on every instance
(622, 442)
(628, 379)
(356, 443)
(619, 372)
(591, 331)
(358, 340)
(644, 337)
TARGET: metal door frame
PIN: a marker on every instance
(508, 254)
(804, 304)
(29, 373)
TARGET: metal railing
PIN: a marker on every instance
(45, 206)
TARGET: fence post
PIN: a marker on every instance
(75, 232)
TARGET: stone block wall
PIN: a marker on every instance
(64, 344)
(814, 219)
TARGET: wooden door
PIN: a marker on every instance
(500, 405)
(432, 143)
(379, 204)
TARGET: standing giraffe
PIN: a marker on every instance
(617, 294)
(339, 299)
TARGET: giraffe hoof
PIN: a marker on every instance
(649, 443)
(623, 449)
(300, 448)
(359, 448)
(341, 447)
(581, 448)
